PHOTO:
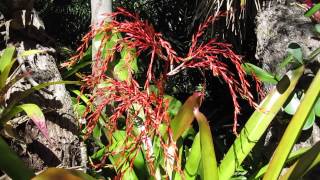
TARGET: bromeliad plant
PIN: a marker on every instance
(137, 119)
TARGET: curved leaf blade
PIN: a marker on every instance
(59, 173)
(261, 74)
(185, 116)
(12, 165)
(208, 156)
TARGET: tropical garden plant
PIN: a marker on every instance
(138, 131)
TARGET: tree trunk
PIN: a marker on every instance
(27, 32)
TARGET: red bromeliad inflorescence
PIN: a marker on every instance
(122, 95)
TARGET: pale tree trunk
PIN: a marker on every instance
(27, 32)
(98, 9)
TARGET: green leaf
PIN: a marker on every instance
(293, 130)
(12, 165)
(62, 174)
(293, 105)
(317, 108)
(259, 73)
(31, 52)
(6, 57)
(208, 156)
(185, 116)
(5, 74)
(308, 160)
(127, 65)
(35, 114)
(258, 123)
(193, 160)
(295, 50)
(312, 10)
(310, 120)
(99, 154)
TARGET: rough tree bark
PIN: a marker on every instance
(27, 32)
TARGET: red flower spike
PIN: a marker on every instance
(122, 96)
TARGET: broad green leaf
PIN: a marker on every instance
(258, 123)
(26, 93)
(295, 50)
(293, 130)
(35, 114)
(193, 160)
(293, 105)
(310, 120)
(317, 108)
(304, 164)
(62, 174)
(259, 73)
(208, 156)
(12, 165)
(31, 52)
(6, 57)
(127, 65)
(312, 10)
(185, 116)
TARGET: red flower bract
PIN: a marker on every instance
(144, 111)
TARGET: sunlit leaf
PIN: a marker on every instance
(259, 73)
(62, 174)
(5, 74)
(31, 52)
(35, 114)
(193, 160)
(184, 118)
(317, 108)
(295, 50)
(310, 121)
(6, 57)
(293, 105)
(312, 10)
(208, 156)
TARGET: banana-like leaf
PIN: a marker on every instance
(208, 156)
(293, 130)
(62, 174)
(307, 161)
(12, 165)
(258, 123)
(185, 116)
(193, 161)
(6, 57)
